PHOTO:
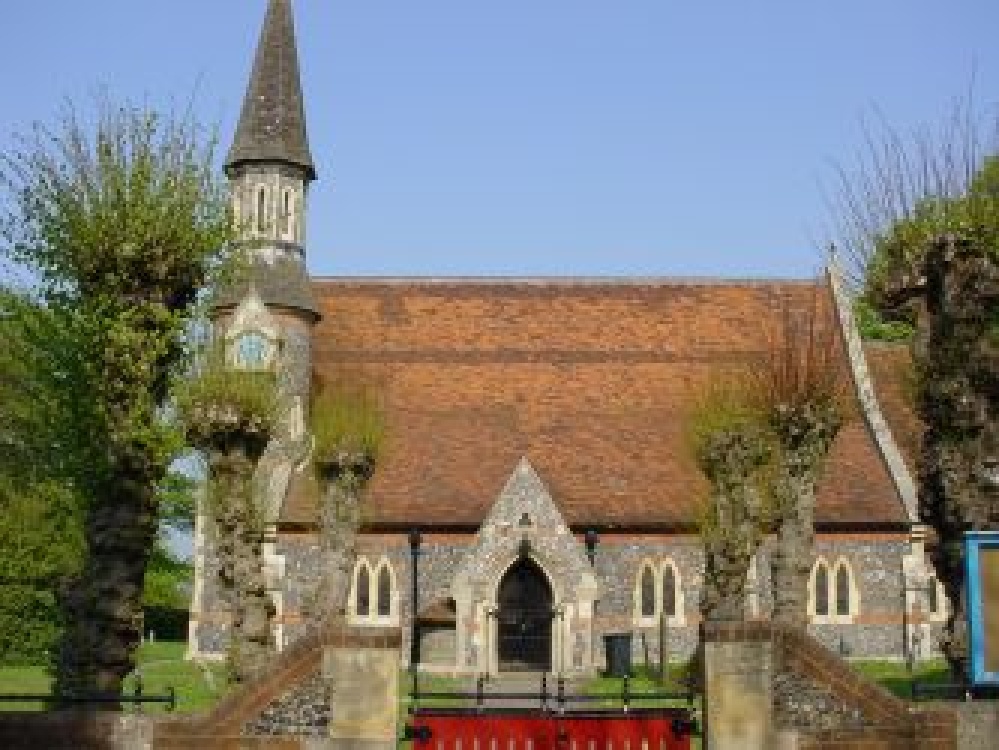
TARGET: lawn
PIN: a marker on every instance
(895, 676)
(162, 666)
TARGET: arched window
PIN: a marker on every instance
(658, 595)
(932, 600)
(261, 210)
(384, 600)
(362, 591)
(648, 592)
(669, 591)
(821, 586)
(842, 590)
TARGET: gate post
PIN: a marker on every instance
(361, 671)
(738, 698)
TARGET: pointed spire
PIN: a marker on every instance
(272, 123)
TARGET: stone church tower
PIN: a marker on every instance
(266, 319)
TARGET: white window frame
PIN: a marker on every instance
(658, 570)
(832, 574)
(373, 619)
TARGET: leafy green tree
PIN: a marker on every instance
(920, 219)
(41, 545)
(41, 448)
(120, 223)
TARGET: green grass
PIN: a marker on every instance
(894, 675)
(643, 680)
(162, 665)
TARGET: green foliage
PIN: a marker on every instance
(875, 327)
(177, 501)
(728, 435)
(900, 248)
(48, 428)
(220, 400)
(135, 207)
(119, 223)
(41, 545)
(347, 421)
(168, 580)
(724, 405)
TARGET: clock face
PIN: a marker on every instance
(251, 350)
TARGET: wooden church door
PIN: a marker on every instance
(524, 619)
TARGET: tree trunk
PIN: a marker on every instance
(728, 556)
(953, 291)
(239, 546)
(791, 560)
(340, 519)
(731, 459)
(103, 605)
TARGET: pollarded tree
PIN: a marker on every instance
(119, 223)
(230, 415)
(348, 428)
(920, 216)
(800, 388)
(729, 440)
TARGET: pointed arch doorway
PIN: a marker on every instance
(524, 619)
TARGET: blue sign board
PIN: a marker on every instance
(981, 559)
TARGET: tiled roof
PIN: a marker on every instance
(272, 122)
(590, 380)
(892, 372)
(283, 282)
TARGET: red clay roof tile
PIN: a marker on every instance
(590, 380)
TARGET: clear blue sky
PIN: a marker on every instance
(590, 137)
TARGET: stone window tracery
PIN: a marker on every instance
(261, 209)
(833, 597)
(658, 595)
(373, 599)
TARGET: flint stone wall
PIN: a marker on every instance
(618, 559)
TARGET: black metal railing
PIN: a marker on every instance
(137, 698)
(558, 701)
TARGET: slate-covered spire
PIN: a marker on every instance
(272, 122)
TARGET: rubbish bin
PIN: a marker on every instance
(617, 648)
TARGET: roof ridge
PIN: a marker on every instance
(570, 280)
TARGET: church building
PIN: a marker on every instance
(535, 466)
